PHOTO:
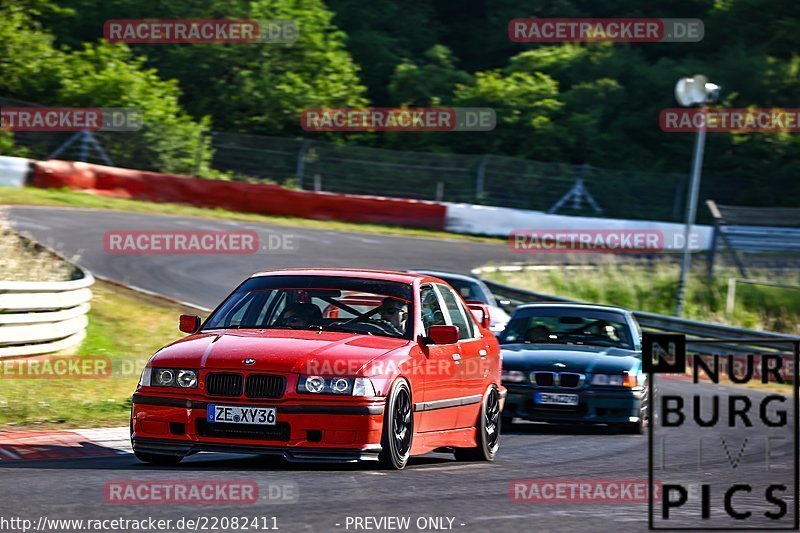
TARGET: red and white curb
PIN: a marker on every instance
(16, 445)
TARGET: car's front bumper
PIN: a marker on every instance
(334, 431)
(598, 406)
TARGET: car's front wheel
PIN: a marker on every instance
(398, 428)
(487, 430)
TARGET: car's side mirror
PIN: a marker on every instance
(443, 334)
(481, 313)
(189, 323)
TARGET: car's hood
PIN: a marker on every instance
(574, 358)
(305, 352)
(498, 317)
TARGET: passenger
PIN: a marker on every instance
(300, 316)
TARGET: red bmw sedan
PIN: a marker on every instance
(326, 365)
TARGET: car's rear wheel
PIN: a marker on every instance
(398, 428)
(158, 459)
(487, 430)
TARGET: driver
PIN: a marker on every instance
(300, 316)
(395, 312)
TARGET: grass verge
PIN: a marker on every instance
(653, 287)
(69, 198)
(126, 327)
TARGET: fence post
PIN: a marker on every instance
(480, 179)
(301, 162)
(712, 252)
(198, 159)
(317, 183)
(439, 191)
(731, 297)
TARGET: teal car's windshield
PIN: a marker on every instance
(563, 325)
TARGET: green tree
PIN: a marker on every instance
(429, 83)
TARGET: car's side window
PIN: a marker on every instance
(432, 314)
(456, 312)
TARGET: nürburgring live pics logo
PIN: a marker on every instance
(725, 455)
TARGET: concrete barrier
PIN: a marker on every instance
(43, 317)
(14, 171)
(238, 196)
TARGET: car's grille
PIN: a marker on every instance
(224, 384)
(569, 381)
(264, 386)
(566, 380)
(279, 431)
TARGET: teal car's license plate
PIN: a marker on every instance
(550, 398)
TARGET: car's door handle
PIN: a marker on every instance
(457, 358)
(482, 353)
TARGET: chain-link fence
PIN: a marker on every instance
(477, 179)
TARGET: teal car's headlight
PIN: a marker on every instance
(335, 385)
(616, 380)
(513, 376)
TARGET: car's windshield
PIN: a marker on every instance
(368, 307)
(563, 325)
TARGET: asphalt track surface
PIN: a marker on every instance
(476, 496)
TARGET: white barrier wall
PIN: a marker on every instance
(502, 221)
(13, 171)
(43, 317)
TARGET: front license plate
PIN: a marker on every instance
(236, 414)
(549, 398)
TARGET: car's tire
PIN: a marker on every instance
(640, 427)
(487, 430)
(158, 459)
(398, 428)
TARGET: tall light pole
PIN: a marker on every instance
(693, 92)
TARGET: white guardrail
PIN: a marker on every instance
(43, 317)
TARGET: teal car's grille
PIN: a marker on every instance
(565, 380)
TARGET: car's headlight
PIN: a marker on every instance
(513, 376)
(335, 385)
(187, 379)
(615, 380)
(147, 373)
(169, 377)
